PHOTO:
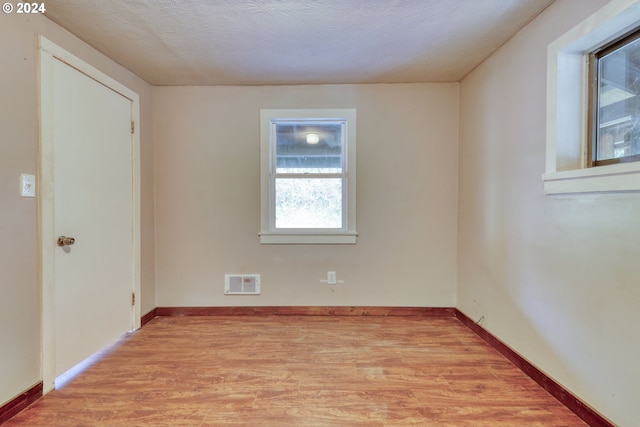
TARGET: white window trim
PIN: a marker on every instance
(566, 168)
(269, 236)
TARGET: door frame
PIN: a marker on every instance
(48, 53)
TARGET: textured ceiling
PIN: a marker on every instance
(253, 42)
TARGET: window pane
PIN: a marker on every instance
(308, 203)
(618, 133)
(307, 147)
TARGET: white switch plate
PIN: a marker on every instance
(27, 185)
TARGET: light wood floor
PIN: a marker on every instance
(300, 371)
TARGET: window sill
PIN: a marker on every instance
(308, 239)
(602, 179)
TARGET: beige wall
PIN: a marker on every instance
(19, 289)
(207, 161)
(556, 278)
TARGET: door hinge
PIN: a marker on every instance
(133, 299)
(133, 126)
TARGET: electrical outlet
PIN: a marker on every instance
(331, 278)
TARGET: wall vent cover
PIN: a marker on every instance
(242, 284)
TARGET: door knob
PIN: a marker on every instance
(65, 241)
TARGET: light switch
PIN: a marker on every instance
(27, 185)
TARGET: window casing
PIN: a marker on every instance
(308, 176)
(569, 139)
(615, 102)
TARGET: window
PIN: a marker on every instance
(615, 104)
(308, 176)
(585, 155)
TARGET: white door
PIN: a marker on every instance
(89, 297)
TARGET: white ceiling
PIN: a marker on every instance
(256, 42)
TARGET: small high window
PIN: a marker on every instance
(615, 114)
(308, 176)
(592, 106)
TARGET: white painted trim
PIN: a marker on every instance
(56, 51)
(566, 168)
(48, 52)
(270, 236)
(610, 178)
(308, 239)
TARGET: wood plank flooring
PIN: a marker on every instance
(300, 371)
